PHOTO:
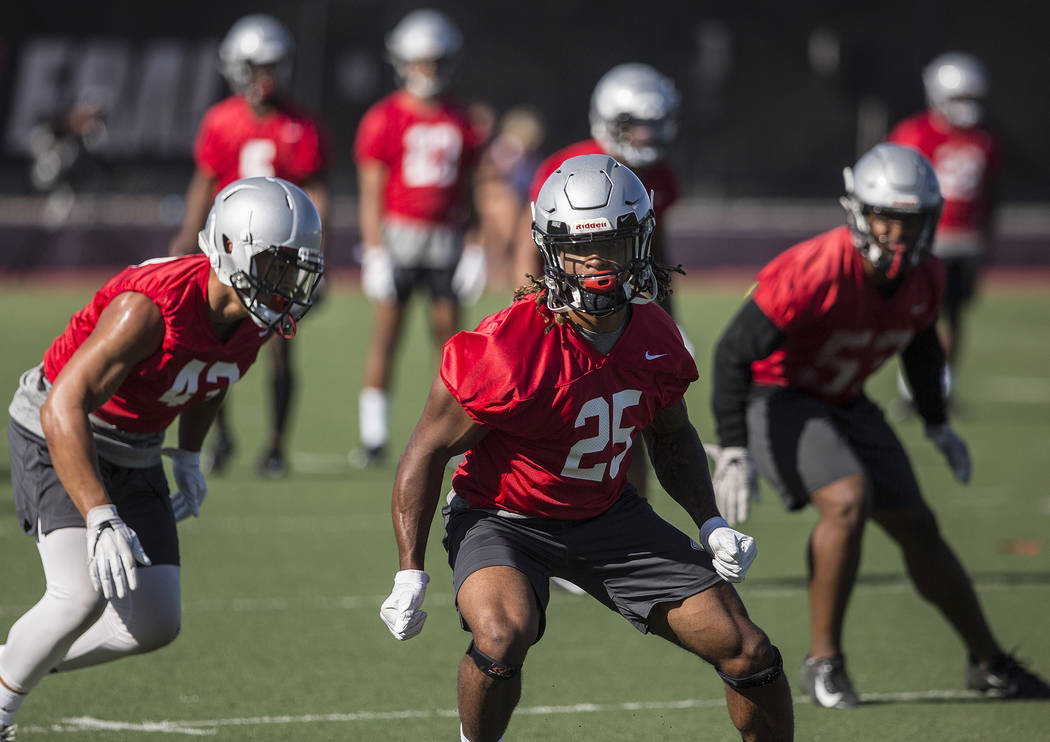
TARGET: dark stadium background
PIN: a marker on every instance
(777, 97)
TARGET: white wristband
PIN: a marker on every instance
(708, 527)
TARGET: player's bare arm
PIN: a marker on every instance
(195, 421)
(680, 462)
(371, 177)
(129, 330)
(197, 203)
(444, 430)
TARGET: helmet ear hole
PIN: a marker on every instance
(227, 244)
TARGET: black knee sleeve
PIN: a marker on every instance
(762, 677)
(492, 668)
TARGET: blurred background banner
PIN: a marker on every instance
(99, 103)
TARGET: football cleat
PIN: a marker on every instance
(272, 465)
(826, 682)
(367, 457)
(7, 732)
(1005, 677)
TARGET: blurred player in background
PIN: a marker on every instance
(160, 340)
(633, 118)
(789, 397)
(256, 131)
(415, 150)
(548, 399)
(966, 156)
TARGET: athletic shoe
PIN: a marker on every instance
(367, 457)
(272, 465)
(7, 732)
(218, 457)
(826, 682)
(1005, 677)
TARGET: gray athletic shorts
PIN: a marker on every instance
(628, 557)
(41, 502)
(423, 255)
(801, 444)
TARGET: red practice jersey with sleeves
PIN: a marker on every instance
(192, 364)
(967, 162)
(658, 177)
(233, 143)
(428, 153)
(562, 417)
(838, 329)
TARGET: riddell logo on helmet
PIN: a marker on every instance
(591, 225)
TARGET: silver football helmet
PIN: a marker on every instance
(424, 35)
(894, 181)
(633, 113)
(956, 85)
(253, 41)
(263, 236)
(592, 206)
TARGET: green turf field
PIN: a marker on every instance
(282, 581)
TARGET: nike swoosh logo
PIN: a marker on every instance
(649, 357)
(826, 698)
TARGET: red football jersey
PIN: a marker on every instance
(967, 165)
(562, 417)
(192, 364)
(838, 328)
(658, 178)
(234, 143)
(428, 155)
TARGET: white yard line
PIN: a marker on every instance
(207, 727)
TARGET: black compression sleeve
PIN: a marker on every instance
(924, 365)
(750, 336)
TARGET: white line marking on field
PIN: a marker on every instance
(1021, 389)
(207, 727)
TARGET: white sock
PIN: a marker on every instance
(9, 703)
(903, 390)
(372, 414)
(463, 737)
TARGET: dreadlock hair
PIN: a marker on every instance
(536, 289)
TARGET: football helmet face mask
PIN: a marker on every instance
(593, 223)
(256, 57)
(633, 113)
(423, 48)
(263, 236)
(892, 183)
(956, 85)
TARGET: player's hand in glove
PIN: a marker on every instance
(400, 612)
(735, 481)
(377, 274)
(954, 449)
(731, 551)
(190, 487)
(113, 550)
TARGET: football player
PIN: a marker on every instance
(549, 399)
(160, 340)
(415, 150)
(257, 131)
(633, 118)
(788, 399)
(966, 156)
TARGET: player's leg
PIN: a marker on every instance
(221, 447)
(714, 625)
(373, 400)
(798, 446)
(499, 605)
(282, 380)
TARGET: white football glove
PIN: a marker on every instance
(112, 549)
(468, 280)
(954, 449)
(400, 612)
(731, 551)
(191, 489)
(735, 482)
(377, 274)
